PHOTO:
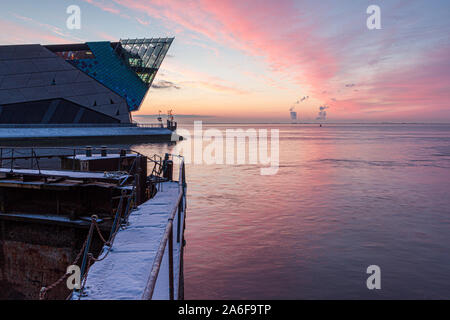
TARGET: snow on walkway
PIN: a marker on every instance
(123, 274)
(63, 173)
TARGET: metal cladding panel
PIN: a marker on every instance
(34, 72)
(128, 69)
(51, 111)
(108, 69)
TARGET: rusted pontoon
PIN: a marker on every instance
(51, 199)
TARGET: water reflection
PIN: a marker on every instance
(345, 197)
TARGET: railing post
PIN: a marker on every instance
(37, 163)
(12, 159)
(138, 189)
(167, 242)
(88, 245)
(171, 287)
(181, 203)
(73, 160)
(180, 208)
(31, 159)
(183, 174)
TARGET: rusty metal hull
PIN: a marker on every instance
(34, 254)
(45, 216)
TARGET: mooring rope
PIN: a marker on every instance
(89, 258)
(44, 290)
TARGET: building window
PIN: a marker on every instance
(76, 55)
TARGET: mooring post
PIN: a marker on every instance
(88, 151)
(104, 151)
(167, 168)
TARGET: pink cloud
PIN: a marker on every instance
(107, 7)
(53, 29)
(274, 30)
(106, 36)
(292, 43)
(197, 79)
(143, 22)
(14, 33)
(221, 87)
(415, 91)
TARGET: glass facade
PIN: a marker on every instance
(51, 111)
(75, 55)
(127, 67)
(144, 56)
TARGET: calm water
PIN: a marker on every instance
(345, 197)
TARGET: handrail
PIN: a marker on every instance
(79, 125)
(178, 208)
(9, 156)
(65, 125)
(150, 125)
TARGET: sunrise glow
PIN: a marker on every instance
(256, 59)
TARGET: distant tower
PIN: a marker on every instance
(293, 116)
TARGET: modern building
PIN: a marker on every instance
(87, 83)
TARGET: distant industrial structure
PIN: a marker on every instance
(293, 115)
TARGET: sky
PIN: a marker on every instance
(256, 59)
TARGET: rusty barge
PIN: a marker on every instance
(94, 208)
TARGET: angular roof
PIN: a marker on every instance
(127, 67)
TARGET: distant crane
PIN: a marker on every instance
(160, 118)
(170, 115)
(171, 125)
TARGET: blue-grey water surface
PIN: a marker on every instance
(345, 197)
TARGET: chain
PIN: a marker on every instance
(109, 243)
(44, 290)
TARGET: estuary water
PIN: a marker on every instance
(345, 197)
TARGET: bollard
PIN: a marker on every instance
(167, 168)
(88, 151)
(103, 151)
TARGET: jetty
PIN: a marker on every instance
(53, 134)
(151, 241)
(100, 211)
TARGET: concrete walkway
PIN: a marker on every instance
(123, 274)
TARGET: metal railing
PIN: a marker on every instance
(16, 158)
(80, 125)
(178, 212)
(66, 125)
(150, 125)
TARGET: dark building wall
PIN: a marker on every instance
(32, 72)
(52, 111)
(34, 255)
